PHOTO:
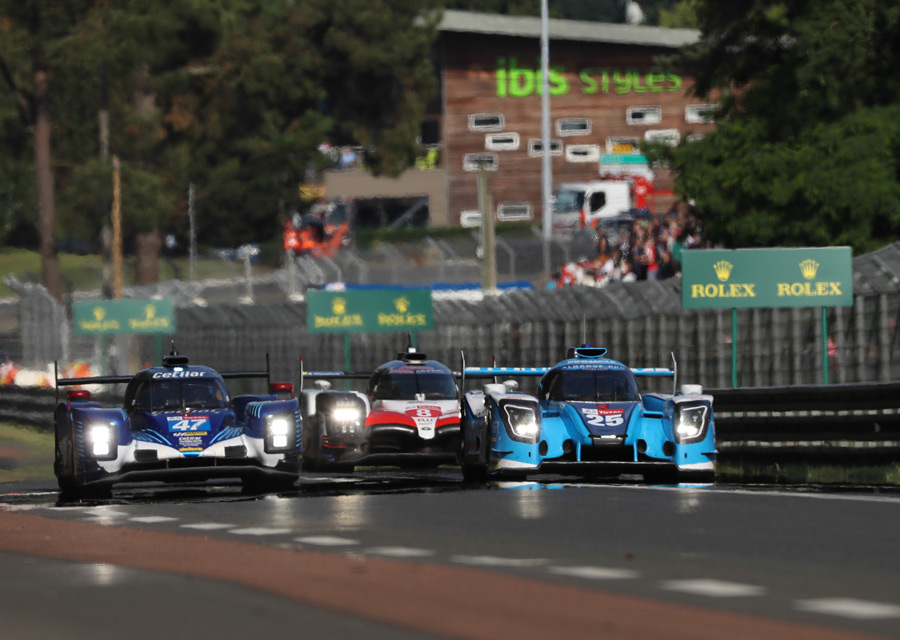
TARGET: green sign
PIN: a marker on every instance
(103, 317)
(743, 278)
(519, 82)
(369, 311)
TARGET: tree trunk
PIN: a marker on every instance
(147, 254)
(148, 242)
(46, 206)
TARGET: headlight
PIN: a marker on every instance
(279, 431)
(102, 438)
(522, 421)
(345, 414)
(690, 422)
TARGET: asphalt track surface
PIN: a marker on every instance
(401, 554)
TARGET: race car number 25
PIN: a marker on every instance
(606, 420)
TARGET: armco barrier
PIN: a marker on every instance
(27, 405)
(841, 424)
(848, 420)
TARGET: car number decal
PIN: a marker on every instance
(605, 420)
(425, 417)
(179, 424)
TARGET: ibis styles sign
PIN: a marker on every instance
(100, 317)
(744, 278)
(369, 311)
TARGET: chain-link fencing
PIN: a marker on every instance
(231, 324)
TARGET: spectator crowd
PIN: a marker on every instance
(649, 248)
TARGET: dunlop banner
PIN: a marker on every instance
(99, 317)
(369, 311)
(742, 278)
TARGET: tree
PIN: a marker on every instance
(233, 95)
(807, 144)
(33, 29)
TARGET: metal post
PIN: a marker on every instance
(546, 169)
(192, 245)
(117, 230)
(824, 345)
(489, 243)
(734, 327)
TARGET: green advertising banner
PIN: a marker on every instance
(369, 311)
(744, 278)
(105, 317)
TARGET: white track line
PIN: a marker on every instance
(713, 588)
(326, 541)
(594, 573)
(849, 608)
(400, 552)
(259, 531)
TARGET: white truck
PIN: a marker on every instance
(582, 204)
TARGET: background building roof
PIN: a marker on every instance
(530, 27)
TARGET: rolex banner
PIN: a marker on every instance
(369, 311)
(742, 278)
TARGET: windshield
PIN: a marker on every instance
(393, 385)
(593, 386)
(177, 394)
(568, 201)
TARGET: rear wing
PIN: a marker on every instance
(496, 372)
(228, 375)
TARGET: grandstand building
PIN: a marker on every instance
(610, 89)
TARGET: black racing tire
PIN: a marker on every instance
(64, 464)
(474, 474)
(337, 467)
(665, 475)
(257, 484)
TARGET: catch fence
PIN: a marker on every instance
(233, 324)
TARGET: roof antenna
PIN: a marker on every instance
(173, 352)
(584, 341)
(409, 345)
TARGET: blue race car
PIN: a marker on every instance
(589, 416)
(178, 423)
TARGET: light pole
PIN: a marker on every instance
(546, 169)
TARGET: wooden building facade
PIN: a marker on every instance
(609, 90)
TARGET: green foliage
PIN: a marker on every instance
(234, 96)
(683, 15)
(807, 145)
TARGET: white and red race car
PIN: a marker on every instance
(409, 416)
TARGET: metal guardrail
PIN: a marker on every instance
(844, 420)
(848, 424)
(27, 405)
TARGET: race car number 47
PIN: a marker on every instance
(182, 425)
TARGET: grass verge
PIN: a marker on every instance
(25, 453)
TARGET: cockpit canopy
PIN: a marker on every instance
(404, 383)
(589, 385)
(173, 394)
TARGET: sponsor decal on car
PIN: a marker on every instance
(178, 374)
(425, 416)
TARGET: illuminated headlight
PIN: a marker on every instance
(522, 422)
(690, 422)
(346, 414)
(102, 440)
(279, 431)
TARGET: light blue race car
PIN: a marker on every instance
(588, 417)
